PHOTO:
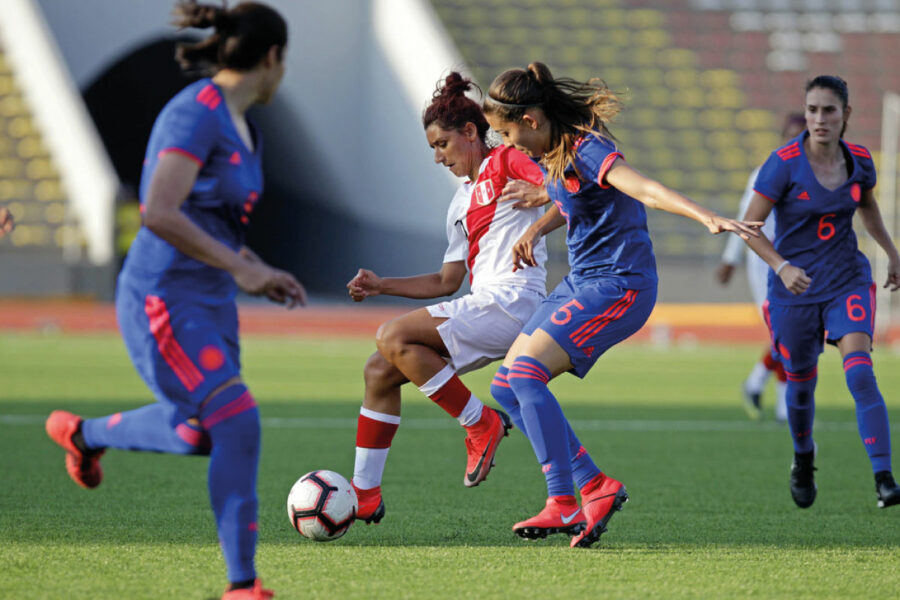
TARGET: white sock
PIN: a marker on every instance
(368, 468)
(757, 379)
(780, 401)
(439, 380)
(471, 414)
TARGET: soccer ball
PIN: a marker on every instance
(322, 505)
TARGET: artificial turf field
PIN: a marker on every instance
(710, 514)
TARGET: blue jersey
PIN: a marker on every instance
(606, 229)
(196, 124)
(813, 225)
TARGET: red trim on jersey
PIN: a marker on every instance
(858, 150)
(788, 152)
(372, 433)
(174, 355)
(592, 327)
(243, 403)
(209, 97)
(873, 289)
(605, 166)
(481, 211)
(182, 152)
(764, 196)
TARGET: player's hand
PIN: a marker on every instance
(724, 273)
(523, 250)
(7, 224)
(259, 279)
(365, 285)
(745, 229)
(893, 278)
(794, 279)
(524, 194)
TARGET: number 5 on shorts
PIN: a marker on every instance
(566, 314)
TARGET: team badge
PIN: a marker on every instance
(855, 192)
(484, 192)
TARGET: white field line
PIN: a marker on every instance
(577, 424)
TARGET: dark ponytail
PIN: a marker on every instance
(242, 36)
(573, 108)
(451, 109)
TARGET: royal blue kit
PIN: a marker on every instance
(814, 231)
(611, 288)
(177, 314)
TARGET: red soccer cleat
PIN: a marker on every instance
(83, 467)
(560, 515)
(481, 444)
(251, 593)
(371, 506)
(600, 499)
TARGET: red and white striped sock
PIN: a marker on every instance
(374, 434)
(451, 394)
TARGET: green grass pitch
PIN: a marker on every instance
(710, 513)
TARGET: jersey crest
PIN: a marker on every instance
(484, 193)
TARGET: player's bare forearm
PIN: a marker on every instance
(871, 218)
(176, 228)
(549, 221)
(432, 285)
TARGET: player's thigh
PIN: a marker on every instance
(798, 334)
(850, 320)
(416, 327)
(182, 349)
(588, 319)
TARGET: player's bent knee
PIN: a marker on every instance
(379, 372)
(232, 411)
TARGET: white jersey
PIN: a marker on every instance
(757, 269)
(482, 231)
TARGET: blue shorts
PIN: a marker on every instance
(799, 332)
(588, 319)
(183, 349)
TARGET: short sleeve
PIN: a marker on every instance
(457, 237)
(188, 127)
(595, 158)
(518, 166)
(773, 179)
(868, 169)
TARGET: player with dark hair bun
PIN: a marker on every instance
(607, 295)
(175, 302)
(432, 346)
(820, 285)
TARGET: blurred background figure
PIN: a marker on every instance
(7, 224)
(757, 279)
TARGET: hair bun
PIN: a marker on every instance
(453, 85)
(188, 13)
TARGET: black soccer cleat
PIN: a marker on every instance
(887, 489)
(803, 484)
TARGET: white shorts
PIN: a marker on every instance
(481, 326)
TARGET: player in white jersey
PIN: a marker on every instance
(431, 346)
(757, 278)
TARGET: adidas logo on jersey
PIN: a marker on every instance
(588, 351)
(803, 196)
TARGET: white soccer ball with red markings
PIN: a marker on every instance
(322, 505)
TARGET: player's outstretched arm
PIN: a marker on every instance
(448, 280)
(655, 195)
(794, 278)
(871, 218)
(524, 194)
(7, 224)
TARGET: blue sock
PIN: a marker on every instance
(583, 468)
(506, 398)
(153, 428)
(871, 412)
(545, 423)
(232, 419)
(801, 407)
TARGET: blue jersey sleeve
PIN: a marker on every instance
(595, 157)
(867, 167)
(190, 127)
(773, 179)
